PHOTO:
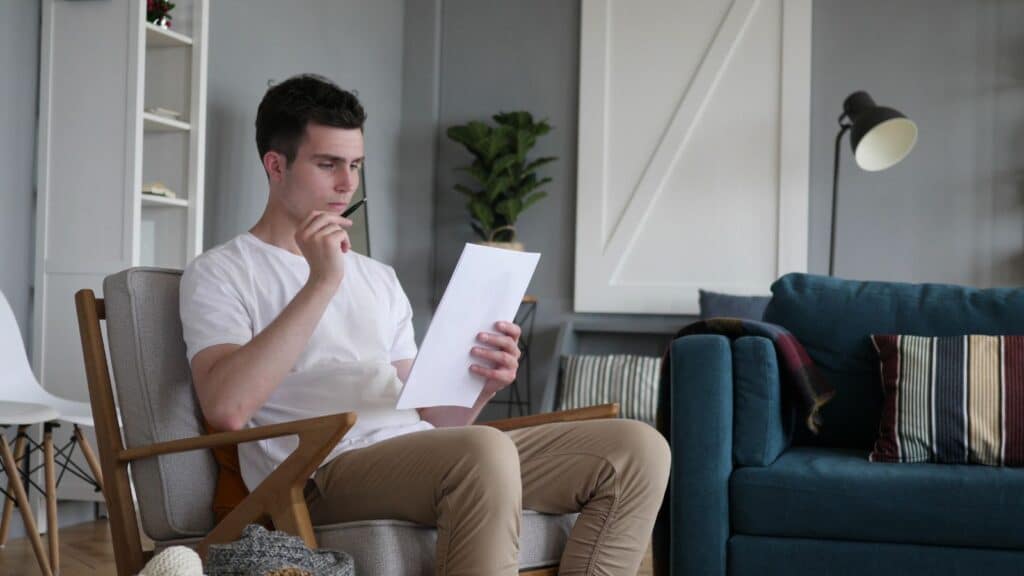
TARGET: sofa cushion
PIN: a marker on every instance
(718, 305)
(761, 425)
(834, 319)
(953, 400)
(829, 493)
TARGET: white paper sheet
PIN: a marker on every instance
(487, 286)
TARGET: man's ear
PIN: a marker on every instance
(275, 164)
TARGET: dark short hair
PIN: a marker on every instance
(288, 107)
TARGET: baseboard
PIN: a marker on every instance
(69, 513)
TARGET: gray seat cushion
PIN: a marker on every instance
(397, 547)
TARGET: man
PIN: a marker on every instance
(286, 322)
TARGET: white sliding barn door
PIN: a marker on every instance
(694, 134)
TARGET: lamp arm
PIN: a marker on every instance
(844, 126)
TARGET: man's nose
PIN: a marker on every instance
(346, 179)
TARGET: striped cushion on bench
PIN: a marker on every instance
(630, 380)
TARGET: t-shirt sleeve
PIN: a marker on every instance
(213, 310)
(403, 345)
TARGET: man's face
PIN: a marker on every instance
(325, 173)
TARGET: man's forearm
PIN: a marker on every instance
(242, 381)
(445, 416)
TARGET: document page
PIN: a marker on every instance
(487, 286)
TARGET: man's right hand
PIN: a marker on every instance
(323, 239)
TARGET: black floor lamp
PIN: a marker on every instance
(880, 138)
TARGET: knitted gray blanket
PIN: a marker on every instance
(260, 552)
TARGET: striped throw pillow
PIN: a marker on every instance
(953, 400)
(632, 381)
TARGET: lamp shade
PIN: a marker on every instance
(881, 137)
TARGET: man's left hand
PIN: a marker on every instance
(502, 350)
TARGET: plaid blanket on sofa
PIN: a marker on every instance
(798, 370)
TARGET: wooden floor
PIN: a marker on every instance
(85, 550)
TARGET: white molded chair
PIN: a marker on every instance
(24, 403)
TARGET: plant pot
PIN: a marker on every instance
(516, 246)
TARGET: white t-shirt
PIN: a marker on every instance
(234, 291)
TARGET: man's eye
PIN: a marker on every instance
(355, 166)
(327, 166)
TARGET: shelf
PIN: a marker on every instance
(154, 123)
(157, 37)
(160, 201)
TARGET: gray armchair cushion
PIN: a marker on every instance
(157, 403)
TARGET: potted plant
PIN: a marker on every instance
(506, 183)
(158, 12)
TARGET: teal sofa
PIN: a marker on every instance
(753, 492)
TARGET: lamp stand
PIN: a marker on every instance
(843, 127)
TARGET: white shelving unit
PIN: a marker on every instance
(153, 123)
(150, 200)
(102, 66)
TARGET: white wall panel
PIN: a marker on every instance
(693, 150)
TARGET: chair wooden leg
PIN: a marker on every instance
(52, 523)
(5, 521)
(26, 511)
(90, 456)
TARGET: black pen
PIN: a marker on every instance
(353, 208)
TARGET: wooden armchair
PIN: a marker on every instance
(171, 461)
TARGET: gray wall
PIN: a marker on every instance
(413, 225)
(19, 94)
(953, 211)
(498, 55)
(358, 44)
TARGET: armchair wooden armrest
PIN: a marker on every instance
(317, 437)
(588, 413)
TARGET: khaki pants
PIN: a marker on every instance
(472, 483)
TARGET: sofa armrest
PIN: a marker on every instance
(700, 429)
(763, 427)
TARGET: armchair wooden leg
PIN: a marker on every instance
(52, 523)
(14, 480)
(5, 521)
(90, 456)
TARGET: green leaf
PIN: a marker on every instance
(532, 199)
(497, 143)
(482, 211)
(539, 162)
(524, 141)
(533, 185)
(541, 128)
(497, 187)
(477, 170)
(509, 208)
(504, 163)
(514, 119)
(473, 136)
